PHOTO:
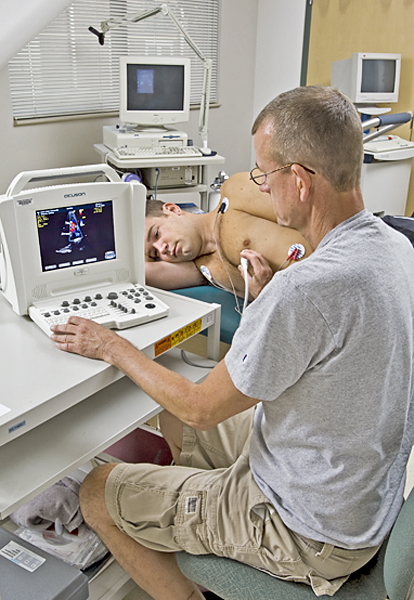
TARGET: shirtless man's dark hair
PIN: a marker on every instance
(153, 208)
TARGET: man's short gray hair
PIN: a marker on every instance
(320, 128)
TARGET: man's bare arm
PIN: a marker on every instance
(245, 195)
(201, 405)
(259, 271)
(172, 276)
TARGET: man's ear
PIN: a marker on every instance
(169, 207)
(303, 181)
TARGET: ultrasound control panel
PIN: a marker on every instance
(117, 306)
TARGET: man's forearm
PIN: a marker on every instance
(171, 276)
(172, 391)
(201, 406)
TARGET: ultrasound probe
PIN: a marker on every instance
(245, 264)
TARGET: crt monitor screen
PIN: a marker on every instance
(155, 87)
(76, 235)
(368, 77)
(378, 76)
(154, 91)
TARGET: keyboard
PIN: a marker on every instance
(139, 152)
(117, 307)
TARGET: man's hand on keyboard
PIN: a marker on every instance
(85, 337)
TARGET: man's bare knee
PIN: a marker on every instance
(92, 495)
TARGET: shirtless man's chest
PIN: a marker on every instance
(236, 230)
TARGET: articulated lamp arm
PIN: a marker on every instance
(164, 9)
(112, 23)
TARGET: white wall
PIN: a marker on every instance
(280, 28)
(21, 22)
(70, 143)
(260, 53)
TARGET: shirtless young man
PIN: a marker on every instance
(179, 243)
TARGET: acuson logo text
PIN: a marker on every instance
(74, 195)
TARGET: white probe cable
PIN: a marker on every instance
(245, 264)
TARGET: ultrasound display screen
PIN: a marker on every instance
(76, 235)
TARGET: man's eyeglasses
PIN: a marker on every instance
(260, 178)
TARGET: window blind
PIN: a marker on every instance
(64, 72)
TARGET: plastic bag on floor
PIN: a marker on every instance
(80, 548)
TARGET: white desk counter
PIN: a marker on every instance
(65, 409)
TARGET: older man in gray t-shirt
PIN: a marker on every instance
(326, 346)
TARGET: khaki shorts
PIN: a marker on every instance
(213, 506)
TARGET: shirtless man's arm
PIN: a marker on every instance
(172, 276)
(246, 196)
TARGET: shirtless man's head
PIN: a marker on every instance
(172, 234)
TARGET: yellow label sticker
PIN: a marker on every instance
(177, 337)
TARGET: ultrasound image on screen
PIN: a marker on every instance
(76, 235)
(145, 81)
(155, 87)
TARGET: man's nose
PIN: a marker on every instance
(161, 246)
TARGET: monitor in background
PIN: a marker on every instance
(154, 91)
(368, 78)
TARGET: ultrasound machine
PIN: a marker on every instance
(76, 248)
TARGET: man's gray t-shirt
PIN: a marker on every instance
(328, 349)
